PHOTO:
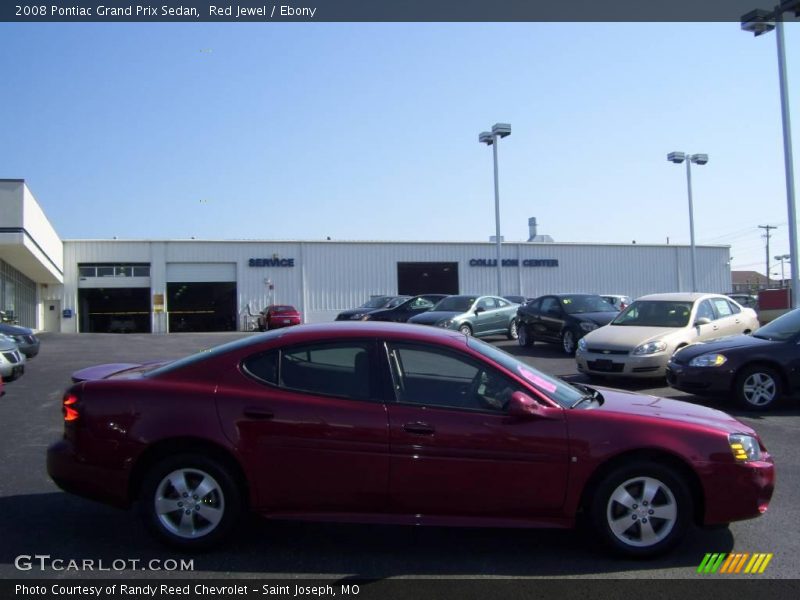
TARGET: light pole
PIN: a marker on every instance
(782, 258)
(698, 159)
(499, 130)
(757, 22)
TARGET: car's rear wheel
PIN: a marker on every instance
(569, 342)
(190, 501)
(524, 337)
(465, 330)
(758, 388)
(641, 509)
(513, 331)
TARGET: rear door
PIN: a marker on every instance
(312, 427)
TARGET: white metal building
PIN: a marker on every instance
(193, 285)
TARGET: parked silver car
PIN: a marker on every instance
(12, 361)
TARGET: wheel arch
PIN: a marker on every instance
(656, 456)
(185, 445)
(763, 362)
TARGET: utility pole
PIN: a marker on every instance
(767, 235)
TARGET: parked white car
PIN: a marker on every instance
(641, 339)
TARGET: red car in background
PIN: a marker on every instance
(276, 316)
(398, 424)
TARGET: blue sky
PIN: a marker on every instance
(369, 131)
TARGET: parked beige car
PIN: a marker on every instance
(641, 339)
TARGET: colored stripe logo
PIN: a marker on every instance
(735, 563)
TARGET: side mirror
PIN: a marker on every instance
(702, 321)
(523, 406)
(479, 310)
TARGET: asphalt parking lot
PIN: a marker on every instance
(37, 518)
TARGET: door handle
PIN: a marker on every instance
(419, 428)
(258, 413)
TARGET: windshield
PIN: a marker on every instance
(456, 304)
(655, 313)
(376, 302)
(585, 304)
(781, 329)
(555, 389)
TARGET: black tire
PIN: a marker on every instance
(465, 330)
(513, 332)
(758, 388)
(569, 342)
(626, 505)
(524, 337)
(218, 495)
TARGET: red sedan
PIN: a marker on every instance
(276, 316)
(391, 423)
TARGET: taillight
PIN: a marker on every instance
(70, 408)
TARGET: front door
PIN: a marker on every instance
(455, 451)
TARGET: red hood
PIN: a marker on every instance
(654, 407)
(116, 370)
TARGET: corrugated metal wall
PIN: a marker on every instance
(331, 276)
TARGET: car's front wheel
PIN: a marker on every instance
(190, 501)
(758, 388)
(641, 509)
(465, 330)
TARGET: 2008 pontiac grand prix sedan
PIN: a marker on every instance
(398, 424)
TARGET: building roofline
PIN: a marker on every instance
(404, 242)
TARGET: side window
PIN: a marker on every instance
(722, 307)
(734, 308)
(706, 310)
(442, 379)
(341, 370)
(421, 303)
(549, 304)
(487, 304)
(263, 366)
(502, 303)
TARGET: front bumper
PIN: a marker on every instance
(73, 474)
(735, 492)
(699, 380)
(622, 365)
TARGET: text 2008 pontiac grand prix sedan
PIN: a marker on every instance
(398, 424)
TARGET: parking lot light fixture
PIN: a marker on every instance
(698, 159)
(762, 21)
(499, 130)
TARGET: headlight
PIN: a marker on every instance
(587, 326)
(744, 447)
(708, 360)
(445, 323)
(357, 317)
(582, 344)
(649, 348)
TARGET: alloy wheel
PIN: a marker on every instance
(189, 503)
(641, 512)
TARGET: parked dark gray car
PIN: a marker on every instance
(473, 315)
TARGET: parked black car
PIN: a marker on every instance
(403, 312)
(562, 319)
(24, 338)
(758, 369)
(371, 305)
